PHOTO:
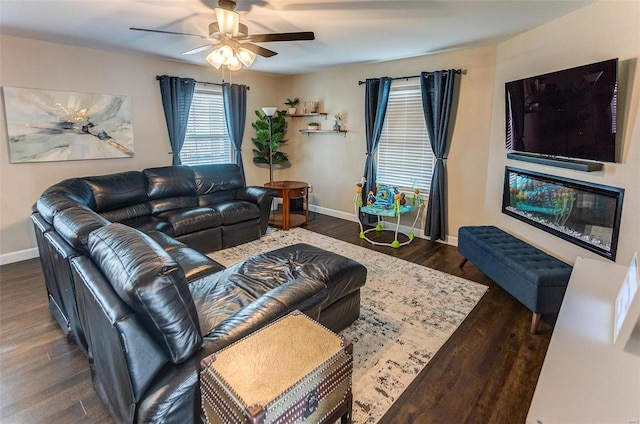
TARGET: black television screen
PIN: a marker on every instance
(569, 113)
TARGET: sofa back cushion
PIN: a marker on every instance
(217, 182)
(170, 187)
(74, 225)
(148, 280)
(65, 194)
(120, 196)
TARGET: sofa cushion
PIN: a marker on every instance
(236, 211)
(74, 225)
(342, 275)
(217, 177)
(118, 190)
(67, 193)
(194, 264)
(146, 223)
(185, 221)
(128, 212)
(50, 204)
(217, 182)
(149, 281)
(170, 187)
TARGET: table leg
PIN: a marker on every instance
(285, 210)
(306, 206)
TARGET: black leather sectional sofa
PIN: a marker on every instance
(146, 307)
(207, 207)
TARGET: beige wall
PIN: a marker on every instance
(332, 163)
(34, 64)
(597, 32)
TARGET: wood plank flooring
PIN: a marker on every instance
(485, 373)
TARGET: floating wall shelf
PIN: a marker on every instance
(300, 115)
(309, 132)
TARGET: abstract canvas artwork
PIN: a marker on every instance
(46, 125)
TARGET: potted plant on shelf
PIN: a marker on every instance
(313, 126)
(292, 103)
(262, 139)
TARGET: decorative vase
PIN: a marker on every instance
(336, 126)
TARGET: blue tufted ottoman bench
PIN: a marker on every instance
(533, 277)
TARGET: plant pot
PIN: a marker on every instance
(313, 127)
(291, 111)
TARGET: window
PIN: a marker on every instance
(404, 155)
(207, 139)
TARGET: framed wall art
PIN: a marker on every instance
(47, 125)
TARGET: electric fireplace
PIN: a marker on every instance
(582, 213)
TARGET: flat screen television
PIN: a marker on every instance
(568, 114)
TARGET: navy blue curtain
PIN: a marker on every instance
(375, 103)
(437, 94)
(234, 97)
(177, 94)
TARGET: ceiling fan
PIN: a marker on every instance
(233, 45)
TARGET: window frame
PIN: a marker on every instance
(405, 96)
(214, 129)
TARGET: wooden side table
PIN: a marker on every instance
(288, 190)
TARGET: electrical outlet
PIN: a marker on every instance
(310, 188)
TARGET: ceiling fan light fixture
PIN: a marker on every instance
(226, 53)
(245, 56)
(234, 64)
(214, 59)
(228, 21)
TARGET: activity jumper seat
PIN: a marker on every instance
(388, 201)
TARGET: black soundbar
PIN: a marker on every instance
(578, 165)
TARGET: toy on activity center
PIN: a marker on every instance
(388, 201)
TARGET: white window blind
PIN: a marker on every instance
(404, 155)
(207, 139)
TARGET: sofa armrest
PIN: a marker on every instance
(124, 357)
(255, 194)
(174, 397)
(262, 197)
(301, 294)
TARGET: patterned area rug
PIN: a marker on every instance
(408, 312)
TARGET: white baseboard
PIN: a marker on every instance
(334, 213)
(453, 241)
(21, 255)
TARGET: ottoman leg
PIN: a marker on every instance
(535, 323)
(462, 262)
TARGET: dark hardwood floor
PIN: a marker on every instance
(485, 373)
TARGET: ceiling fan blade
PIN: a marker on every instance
(169, 32)
(284, 36)
(260, 51)
(198, 49)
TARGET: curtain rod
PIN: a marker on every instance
(204, 82)
(458, 71)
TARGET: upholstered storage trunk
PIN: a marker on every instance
(293, 370)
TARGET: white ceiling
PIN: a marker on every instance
(346, 31)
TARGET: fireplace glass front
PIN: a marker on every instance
(582, 213)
